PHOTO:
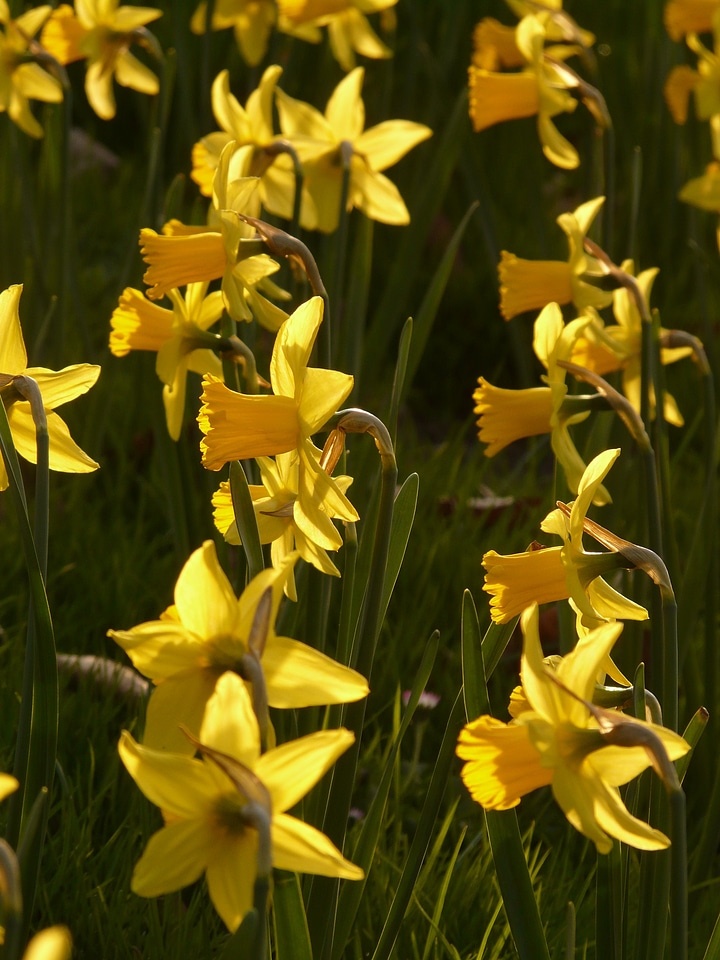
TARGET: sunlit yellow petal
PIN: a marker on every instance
(517, 580)
(496, 97)
(138, 324)
(204, 599)
(231, 876)
(297, 675)
(298, 846)
(13, 356)
(531, 284)
(54, 943)
(509, 415)
(229, 724)
(61, 386)
(292, 770)
(179, 699)
(174, 857)
(65, 455)
(178, 260)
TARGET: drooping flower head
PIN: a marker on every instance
(558, 742)
(274, 502)
(206, 632)
(21, 79)
(239, 426)
(56, 387)
(139, 324)
(518, 580)
(349, 30)
(207, 829)
(101, 32)
(531, 284)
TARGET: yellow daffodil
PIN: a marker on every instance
(251, 125)
(606, 349)
(22, 80)
(704, 191)
(8, 785)
(101, 32)
(545, 575)
(205, 633)
(531, 284)
(176, 335)
(689, 16)
(206, 829)
(539, 90)
(187, 254)
(53, 943)
(348, 28)
(494, 46)
(274, 502)
(251, 20)
(558, 742)
(322, 140)
(239, 426)
(509, 415)
(704, 83)
(56, 387)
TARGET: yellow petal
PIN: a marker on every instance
(300, 847)
(54, 943)
(229, 725)
(138, 324)
(179, 699)
(62, 34)
(160, 648)
(556, 148)
(231, 877)
(502, 764)
(297, 675)
(60, 386)
(174, 857)
(386, 143)
(204, 599)
(130, 72)
(181, 786)
(65, 455)
(99, 89)
(377, 197)
(8, 785)
(293, 346)
(13, 356)
(323, 394)
(345, 111)
(292, 770)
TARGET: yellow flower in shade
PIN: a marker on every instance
(531, 284)
(558, 742)
(56, 387)
(251, 20)
(22, 80)
(539, 90)
(703, 83)
(53, 943)
(206, 830)
(689, 16)
(274, 502)
(238, 426)
(619, 347)
(101, 32)
(251, 125)
(8, 785)
(205, 633)
(188, 254)
(545, 575)
(509, 415)
(348, 28)
(176, 335)
(494, 46)
(320, 140)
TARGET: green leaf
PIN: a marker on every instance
(292, 938)
(399, 379)
(245, 519)
(240, 944)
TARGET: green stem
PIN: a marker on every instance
(245, 519)
(341, 241)
(678, 883)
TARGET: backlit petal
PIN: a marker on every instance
(179, 699)
(205, 601)
(297, 675)
(231, 877)
(174, 857)
(298, 846)
(292, 769)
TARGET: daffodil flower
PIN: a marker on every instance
(531, 284)
(494, 46)
(206, 828)
(239, 426)
(704, 83)
(56, 387)
(274, 503)
(539, 90)
(509, 415)
(101, 32)
(205, 633)
(545, 575)
(176, 335)
(606, 349)
(188, 254)
(320, 141)
(21, 80)
(689, 16)
(251, 125)
(251, 20)
(53, 943)
(558, 742)
(348, 28)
